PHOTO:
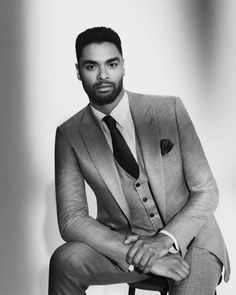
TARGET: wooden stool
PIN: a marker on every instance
(154, 283)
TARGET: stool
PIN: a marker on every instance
(154, 283)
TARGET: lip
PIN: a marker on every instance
(104, 87)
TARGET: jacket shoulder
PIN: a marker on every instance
(160, 101)
(74, 120)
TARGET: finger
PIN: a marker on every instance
(185, 268)
(138, 257)
(144, 260)
(132, 251)
(183, 274)
(181, 270)
(181, 267)
(185, 263)
(175, 276)
(186, 271)
(130, 239)
(150, 263)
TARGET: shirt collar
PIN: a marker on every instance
(119, 113)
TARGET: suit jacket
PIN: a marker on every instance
(181, 181)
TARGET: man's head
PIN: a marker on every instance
(100, 65)
(96, 35)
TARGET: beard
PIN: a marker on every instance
(103, 93)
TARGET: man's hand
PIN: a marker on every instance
(145, 251)
(171, 266)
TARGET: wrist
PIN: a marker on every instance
(175, 244)
(168, 242)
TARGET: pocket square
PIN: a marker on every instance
(166, 146)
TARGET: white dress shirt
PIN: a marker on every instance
(121, 113)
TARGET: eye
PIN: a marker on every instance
(90, 67)
(113, 64)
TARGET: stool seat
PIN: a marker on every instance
(153, 283)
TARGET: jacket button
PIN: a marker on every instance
(144, 200)
(137, 184)
(151, 215)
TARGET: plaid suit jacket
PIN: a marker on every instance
(181, 180)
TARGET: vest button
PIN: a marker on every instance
(151, 214)
(137, 184)
(144, 200)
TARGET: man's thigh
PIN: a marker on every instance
(75, 266)
(204, 275)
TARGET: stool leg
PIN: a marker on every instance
(131, 290)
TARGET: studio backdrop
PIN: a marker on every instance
(183, 47)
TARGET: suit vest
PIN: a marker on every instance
(145, 216)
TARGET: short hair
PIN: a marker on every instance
(96, 35)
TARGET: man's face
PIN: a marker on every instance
(101, 70)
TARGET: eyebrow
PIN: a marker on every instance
(93, 62)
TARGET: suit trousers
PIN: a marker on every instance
(75, 266)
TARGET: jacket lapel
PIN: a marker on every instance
(149, 139)
(102, 158)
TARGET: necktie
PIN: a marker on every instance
(121, 151)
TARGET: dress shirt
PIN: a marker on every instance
(121, 113)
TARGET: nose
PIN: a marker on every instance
(103, 74)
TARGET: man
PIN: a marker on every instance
(155, 192)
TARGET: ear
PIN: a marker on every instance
(77, 71)
(123, 66)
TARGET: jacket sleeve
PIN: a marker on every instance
(201, 184)
(75, 223)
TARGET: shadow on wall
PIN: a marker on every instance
(51, 233)
(199, 20)
(16, 176)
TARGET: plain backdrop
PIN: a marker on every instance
(182, 47)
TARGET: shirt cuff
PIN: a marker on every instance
(173, 249)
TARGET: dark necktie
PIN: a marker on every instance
(121, 151)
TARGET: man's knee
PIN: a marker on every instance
(59, 257)
(204, 274)
(72, 255)
(68, 268)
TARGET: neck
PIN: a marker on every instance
(107, 109)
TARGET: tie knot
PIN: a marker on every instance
(111, 122)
